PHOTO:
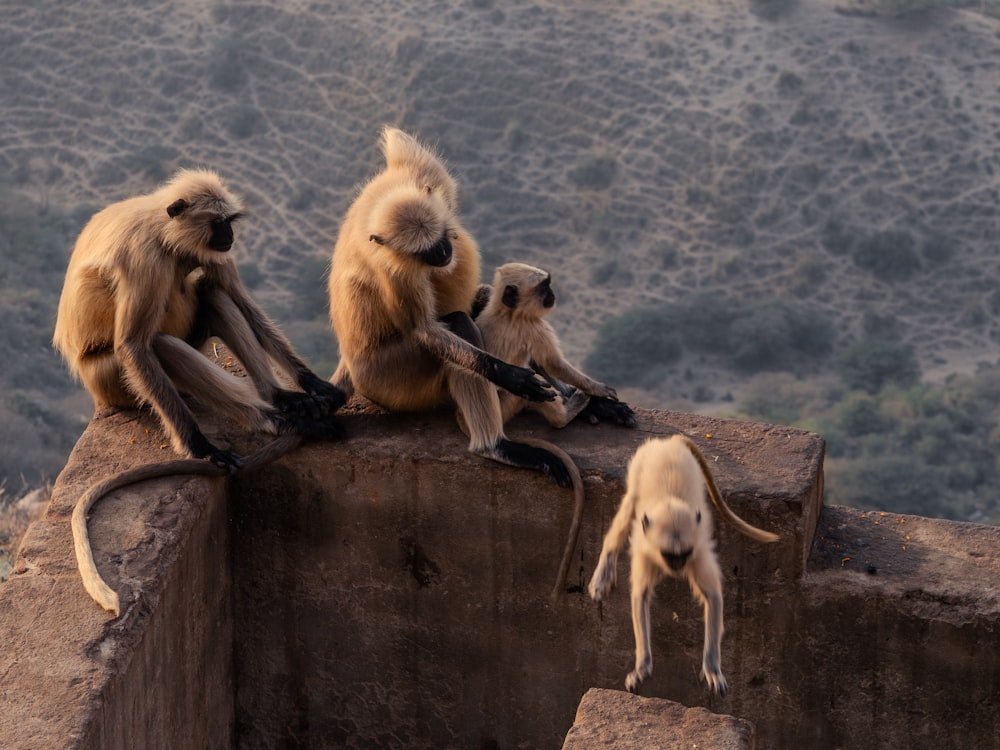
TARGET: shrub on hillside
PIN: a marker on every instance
(873, 362)
(890, 255)
(632, 349)
(776, 335)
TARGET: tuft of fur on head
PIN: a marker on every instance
(427, 170)
(408, 220)
(191, 200)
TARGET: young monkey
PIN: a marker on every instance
(671, 534)
(514, 330)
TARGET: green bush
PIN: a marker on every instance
(873, 362)
(776, 335)
(595, 172)
(889, 255)
(633, 348)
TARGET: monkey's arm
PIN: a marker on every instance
(324, 398)
(604, 403)
(446, 346)
(136, 323)
(606, 573)
(550, 358)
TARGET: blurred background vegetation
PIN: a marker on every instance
(775, 209)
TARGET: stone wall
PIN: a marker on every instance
(392, 590)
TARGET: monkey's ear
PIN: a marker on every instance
(645, 522)
(510, 296)
(176, 208)
(376, 239)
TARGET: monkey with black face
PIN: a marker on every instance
(515, 330)
(402, 282)
(150, 280)
(664, 508)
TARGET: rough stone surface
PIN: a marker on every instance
(392, 591)
(616, 720)
(72, 675)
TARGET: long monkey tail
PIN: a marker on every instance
(746, 529)
(574, 527)
(99, 591)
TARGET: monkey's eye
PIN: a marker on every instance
(697, 517)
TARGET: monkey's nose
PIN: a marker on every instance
(676, 561)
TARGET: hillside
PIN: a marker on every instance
(694, 158)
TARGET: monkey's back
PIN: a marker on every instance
(665, 466)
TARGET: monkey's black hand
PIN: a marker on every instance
(225, 460)
(601, 408)
(522, 382)
(327, 396)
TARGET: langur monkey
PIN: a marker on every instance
(671, 534)
(514, 329)
(149, 281)
(402, 282)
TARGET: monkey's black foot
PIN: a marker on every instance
(601, 408)
(531, 457)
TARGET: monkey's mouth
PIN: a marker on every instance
(438, 254)
(676, 561)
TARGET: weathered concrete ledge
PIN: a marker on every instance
(392, 590)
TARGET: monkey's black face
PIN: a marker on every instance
(438, 254)
(676, 561)
(545, 293)
(222, 234)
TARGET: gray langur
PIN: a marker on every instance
(402, 282)
(149, 281)
(664, 508)
(514, 328)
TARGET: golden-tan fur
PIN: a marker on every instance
(515, 330)
(150, 279)
(402, 282)
(669, 526)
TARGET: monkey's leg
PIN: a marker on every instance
(257, 343)
(479, 405)
(706, 584)
(102, 375)
(564, 409)
(643, 580)
(210, 385)
(341, 378)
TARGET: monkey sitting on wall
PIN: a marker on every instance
(402, 282)
(514, 329)
(150, 280)
(671, 534)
